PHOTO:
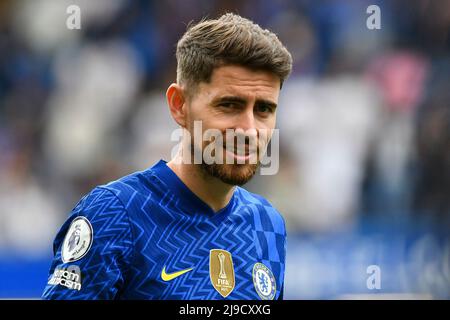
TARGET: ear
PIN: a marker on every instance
(176, 102)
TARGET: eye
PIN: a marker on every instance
(228, 104)
(263, 108)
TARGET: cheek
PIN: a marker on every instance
(193, 117)
(201, 113)
(267, 124)
(265, 130)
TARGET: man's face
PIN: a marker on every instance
(242, 100)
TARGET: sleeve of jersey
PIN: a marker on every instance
(281, 296)
(92, 250)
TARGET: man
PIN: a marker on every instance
(184, 229)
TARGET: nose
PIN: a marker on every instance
(245, 129)
(246, 120)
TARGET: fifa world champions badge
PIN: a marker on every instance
(221, 271)
(264, 281)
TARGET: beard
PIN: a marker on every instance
(233, 174)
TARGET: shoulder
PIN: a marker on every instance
(123, 201)
(103, 209)
(119, 201)
(98, 201)
(97, 240)
(97, 225)
(110, 202)
(127, 186)
(266, 215)
(132, 190)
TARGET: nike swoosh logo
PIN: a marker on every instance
(170, 276)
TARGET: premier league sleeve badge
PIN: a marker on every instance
(78, 240)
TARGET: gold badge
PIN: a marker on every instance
(221, 271)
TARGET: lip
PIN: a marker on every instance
(240, 158)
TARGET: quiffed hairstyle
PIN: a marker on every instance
(229, 40)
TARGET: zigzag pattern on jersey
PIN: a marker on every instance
(145, 230)
(148, 227)
(125, 216)
(175, 247)
(112, 242)
(234, 236)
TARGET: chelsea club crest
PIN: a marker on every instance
(264, 281)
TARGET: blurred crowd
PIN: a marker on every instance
(364, 118)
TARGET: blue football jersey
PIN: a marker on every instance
(148, 236)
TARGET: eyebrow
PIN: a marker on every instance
(240, 100)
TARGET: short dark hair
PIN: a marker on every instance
(229, 40)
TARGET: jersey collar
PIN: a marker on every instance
(187, 199)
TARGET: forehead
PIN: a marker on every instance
(242, 82)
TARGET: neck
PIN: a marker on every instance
(210, 190)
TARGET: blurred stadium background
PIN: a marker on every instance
(364, 128)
